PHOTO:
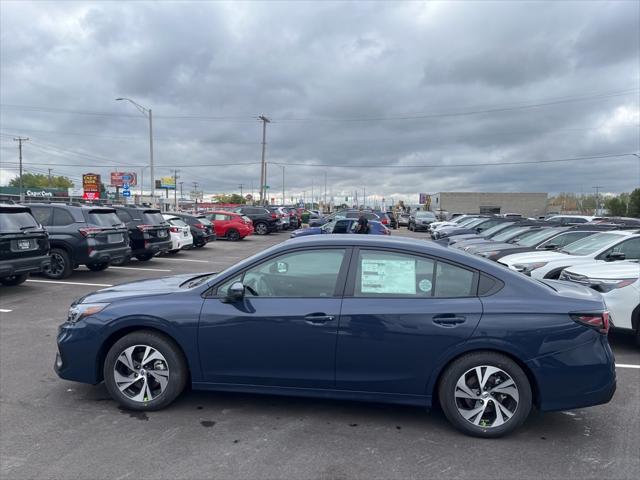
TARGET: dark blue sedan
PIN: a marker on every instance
(357, 317)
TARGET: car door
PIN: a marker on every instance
(400, 313)
(283, 332)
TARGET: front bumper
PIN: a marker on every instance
(20, 266)
(78, 341)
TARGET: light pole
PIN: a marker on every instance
(149, 114)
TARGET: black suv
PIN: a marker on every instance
(264, 221)
(201, 228)
(24, 245)
(81, 235)
(148, 231)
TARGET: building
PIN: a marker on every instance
(528, 204)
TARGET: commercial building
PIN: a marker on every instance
(528, 204)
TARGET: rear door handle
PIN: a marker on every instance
(318, 318)
(448, 320)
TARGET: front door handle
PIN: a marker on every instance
(318, 318)
(448, 319)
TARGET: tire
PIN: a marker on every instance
(14, 280)
(261, 228)
(173, 252)
(98, 267)
(232, 235)
(169, 366)
(454, 401)
(144, 257)
(60, 266)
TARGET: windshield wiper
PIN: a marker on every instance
(22, 229)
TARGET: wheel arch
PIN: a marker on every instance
(555, 273)
(635, 319)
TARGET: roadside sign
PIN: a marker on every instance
(125, 186)
(126, 193)
(248, 196)
(118, 179)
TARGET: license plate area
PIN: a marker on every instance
(115, 238)
(162, 233)
(23, 245)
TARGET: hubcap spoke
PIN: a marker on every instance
(149, 355)
(161, 376)
(125, 382)
(126, 358)
(463, 391)
(141, 373)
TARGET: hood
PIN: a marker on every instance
(155, 286)
(607, 270)
(533, 257)
(301, 232)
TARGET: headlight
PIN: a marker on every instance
(82, 310)
(527, 268)
(488, 254)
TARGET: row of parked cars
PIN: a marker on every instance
(602, 253)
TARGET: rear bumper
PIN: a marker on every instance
(107, 255)
(21, 266)
(154, 248)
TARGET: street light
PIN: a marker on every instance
(147, 113)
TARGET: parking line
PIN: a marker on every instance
(5, 310)
(626, 365)
(72, 283)
(183, 260)
(141, 269)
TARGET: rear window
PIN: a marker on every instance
(204, 220)
(153, 217)
(15, 222)
(104, 219)
(177, 222)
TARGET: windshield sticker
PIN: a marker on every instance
(388, 276)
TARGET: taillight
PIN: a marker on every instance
(273, 215)
(144, 228)
(199, 225)
(599, 321)
(174, 230)
(88, 231)
(385, 221)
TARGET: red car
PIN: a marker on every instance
(231, 226)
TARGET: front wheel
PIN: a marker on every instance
(14, 280)
(145, 371)
(485, 394)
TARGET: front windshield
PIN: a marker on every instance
(501, 237)
(537, 237)
(590, 244)
(425, 215)
(474, 222)
(495, 228)
(467, 221)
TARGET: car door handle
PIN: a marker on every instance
(318, 318)
(448, 320)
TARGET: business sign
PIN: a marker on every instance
(91, 186)
(248, 197)
(118, 179)
(166, 182)
(38, 193)
(425, 199)
(75, 192)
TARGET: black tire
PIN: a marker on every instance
(175, 363)
(14, 280)
(261, 228)
(232, 235)
(144, 257)
(447, 389)
(98, 267)
(60, 266)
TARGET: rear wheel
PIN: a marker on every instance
(233, 235)
(485, 394)
(261, 229)
(14, 280)
(98, 267)
(144, 257)
(60, 266)
(145, 371)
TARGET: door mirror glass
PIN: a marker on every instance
(236, 291)
(550, 246)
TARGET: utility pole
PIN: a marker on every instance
(20, 140)
(181, 196)
(597, 189)
(175, 188)
(195, 197)
(241, 185)
(263, 171)
(49, 181)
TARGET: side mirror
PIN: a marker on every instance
(614, 256)
(236, 292)
(550, 246)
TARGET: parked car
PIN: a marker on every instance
(179, 232)
(571, 219)
(24, 245)
(361, 317)
(459, 220)
(509, 236)
(230, 225)
(342, 225)
(264, 221)
(201, 227)
(475, 227)
(403, 220)
(393, 220)
(81, 235)
(445, 230)
(344, 214)
(421, 220)
(602, 247)
(148, 232)
(619, 285)
(282, 217)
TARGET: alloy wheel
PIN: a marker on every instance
(261, 229)
(486, 396)
(141, 373)
(57, 265)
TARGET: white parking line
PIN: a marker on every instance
(141, 269)
(183, 260)
(4, 310)
(72, 283)
(626, 365)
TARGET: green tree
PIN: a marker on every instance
(634, 203)
(616, 205)
(40, 180)
(233, 198)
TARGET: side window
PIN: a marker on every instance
(219, 216)
(61, 217)
(565, 239)
(631, 249)
(123, 215)
(340, 226)
(299, 274)
(395, 274)
(42, 215)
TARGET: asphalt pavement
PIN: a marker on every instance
(50, 428)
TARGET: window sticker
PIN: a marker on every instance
(388, 276)
(425, 285)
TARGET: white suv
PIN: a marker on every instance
(601, 247)
(619, 285)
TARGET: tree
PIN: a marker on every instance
(233, 198)
(634, 203)
(616, 205)
(40, 180)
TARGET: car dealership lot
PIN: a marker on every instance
(57, 429)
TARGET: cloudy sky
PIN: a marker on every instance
(398, 98)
